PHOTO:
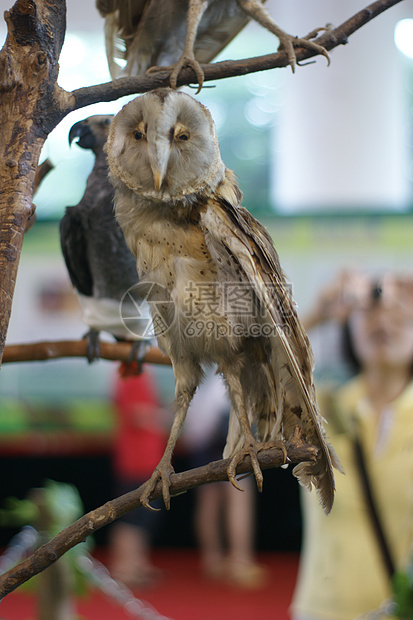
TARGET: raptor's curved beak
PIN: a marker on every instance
(82, 131)
(157, 179)
(158, 158)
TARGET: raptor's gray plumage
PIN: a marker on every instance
(100, 265)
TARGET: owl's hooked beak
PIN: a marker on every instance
(158, 159)
(157, 179)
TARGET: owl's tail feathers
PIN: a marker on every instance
(320, 475)
(113, 44)
(301, 408)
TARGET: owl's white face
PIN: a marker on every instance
(163, 145)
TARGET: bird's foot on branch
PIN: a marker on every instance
(93, 345)
(187, 61)
(163, 472)
(289, 42)
(134, 365)
(298, 437)
(251, 449)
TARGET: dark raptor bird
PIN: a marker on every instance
(100, 265)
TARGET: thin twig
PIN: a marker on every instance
(50, 552)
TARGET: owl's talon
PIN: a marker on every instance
(156, 68)
(281, 446)
(166, 493)
(231, 477)
(187, 61)
(162, 473)
(288, 43)
(250, 450)
(146, 504)
(314, 33)
(148, 489)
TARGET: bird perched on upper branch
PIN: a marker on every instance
(100, 265)
(215, 281)
(150, 33)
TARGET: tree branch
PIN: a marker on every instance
(45, 167)
(50, 350)
(50, 552)
(227, 68)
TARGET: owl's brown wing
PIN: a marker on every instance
(122, 20)
(219, 26)
(128, 13)
(149, 33)
(230, 230)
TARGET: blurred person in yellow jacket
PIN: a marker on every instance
(343, 574)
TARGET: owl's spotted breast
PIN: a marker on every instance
(169, 251)
(175, 257)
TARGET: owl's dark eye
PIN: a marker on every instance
(138, 135)
(183, 137)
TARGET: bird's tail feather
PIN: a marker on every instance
(113, 44)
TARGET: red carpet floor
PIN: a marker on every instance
(184, 594)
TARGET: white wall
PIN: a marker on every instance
(341, 134)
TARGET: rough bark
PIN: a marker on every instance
(29, 96)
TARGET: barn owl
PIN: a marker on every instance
(100, 265)
(215, 284)
(178, 33)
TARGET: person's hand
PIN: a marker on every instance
(348, 290)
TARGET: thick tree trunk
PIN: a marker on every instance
(30, 107)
